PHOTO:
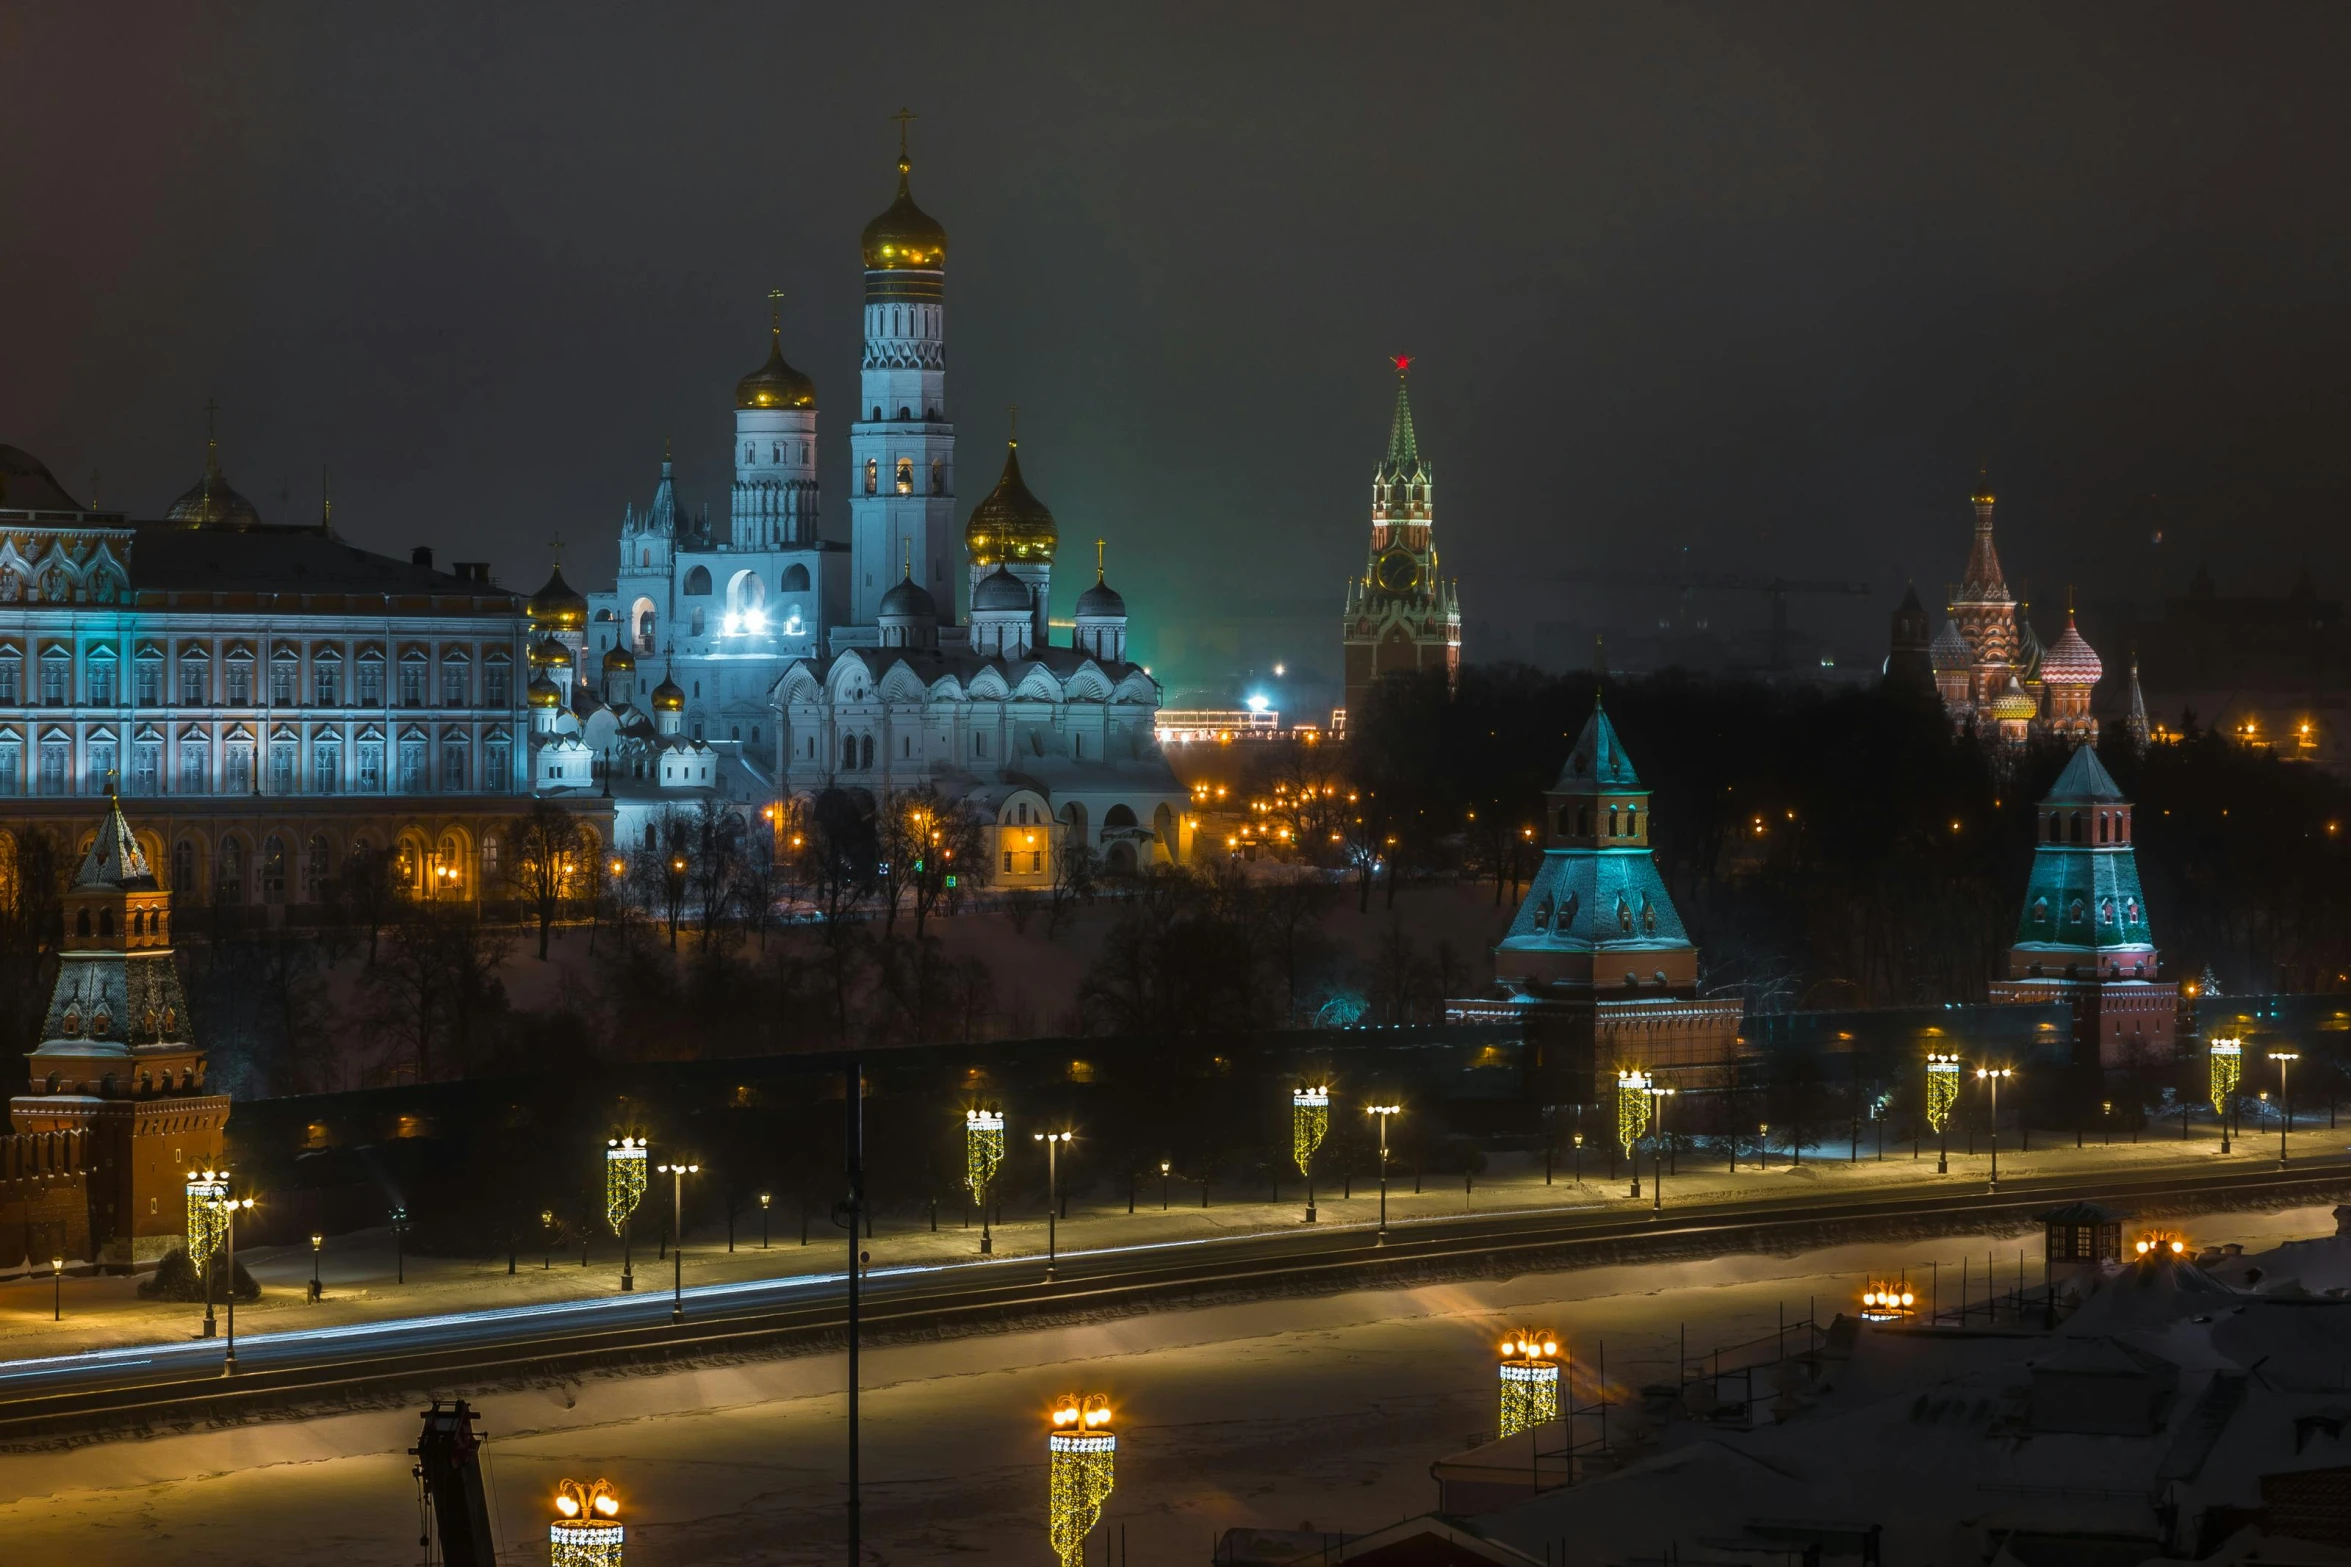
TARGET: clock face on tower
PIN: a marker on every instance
(1398, 571)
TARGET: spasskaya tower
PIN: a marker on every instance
(1401, 615)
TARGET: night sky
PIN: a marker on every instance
(1763, 281)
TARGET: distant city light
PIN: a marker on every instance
(1259, 703)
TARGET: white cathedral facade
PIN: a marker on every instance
(763, 662)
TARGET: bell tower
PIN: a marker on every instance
(901, 445)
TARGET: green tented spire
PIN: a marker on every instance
(1403, 444)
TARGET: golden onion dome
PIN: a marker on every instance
(545, 693)
(547, 653)
(556, 607)
(669, 697)
(619, 659)
(905, 236)
(2013, 705)
(211, 503)
(1010, 524)
(775, 384)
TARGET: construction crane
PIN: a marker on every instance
(1685, 583)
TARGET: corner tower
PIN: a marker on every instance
(1596, 965)
(901, 447)
(1401, 616)
(2083, 936)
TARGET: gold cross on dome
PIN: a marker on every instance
(775, 309)
(555, 548)
(904, 117)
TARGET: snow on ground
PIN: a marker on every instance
(1322, 1412)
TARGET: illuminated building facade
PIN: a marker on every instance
(273, 697)
(1401, 615)
(771, 662)
(117, 1070)
(2084, 935)
(1596, 961)
(1993, 674)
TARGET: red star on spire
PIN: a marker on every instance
(1402, 362)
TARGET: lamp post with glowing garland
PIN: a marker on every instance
(983, 1152)
(2226, 1062)
(587, 1530)
(1310, 1122)
(1942, 1095)
(1083, 1452)
(1052, 1142)
(1529, 1375)
(228, 1207)
(2284, 1059)
(206, 1190)
(1383, 1112)
(1992, 1077)
(624, 1188)
(677, 1174)
(1632, 1118)
(1658, 1095)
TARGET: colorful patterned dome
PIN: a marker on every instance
(2013, 705)
(2071, 661)
(1949, 651)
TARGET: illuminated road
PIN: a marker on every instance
(183, 1380)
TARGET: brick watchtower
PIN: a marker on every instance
(1401, 615)
(116, 1063)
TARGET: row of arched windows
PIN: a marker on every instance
(1623, 822)
(2103, 826)
(902, 477)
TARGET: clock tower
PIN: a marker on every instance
(1401, 615)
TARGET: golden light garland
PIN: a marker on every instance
(1888, 1302)
(207, 1219)
(624, 1179)
(2228, 1065)
(1084, 1454)
(1942, 1089)
(1632, 1108)
(2161, 1243)
(1310, 1122)
(586, 1531)
(1530, 1381)
(983, 1150)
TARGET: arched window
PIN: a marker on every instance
(794, 579)
(81, 923)
(938, 476)
(1612, 822)
(695, 627)
(1583, 821)
(905, 476)
(698, 582)
(865, 751)
(183, 866)
(273, 871)
(228, 879)
(318, 866)
(905, 412)
(873, 469)
(2101, 826)
(2074, 827)
(2056, 827)
(750, 452)
(849, 753)
(1119, 816)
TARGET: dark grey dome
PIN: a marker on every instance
(1101, 602)
(908, 598)
(1000, 590)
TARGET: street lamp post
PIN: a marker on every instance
(1383, 1112)
(1310, 1119)
(983, 1151)
(399, 1248)
(2284, 1059)
(318, 1241)
(1633, 1109)
(1577, 1138)
(57, 1289)
(1052, 1142)
(1163, 1169)
(764, 1199)
(677, 1174)
(1992, 1076)
(1658, 1096)
(229, 1207)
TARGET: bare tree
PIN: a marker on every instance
(1077, 872)
(715, 864)
(547, 848)
(368, 885)
(660, 868)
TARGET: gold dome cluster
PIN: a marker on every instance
(557, 606)
(1010, 524)
(905, 236)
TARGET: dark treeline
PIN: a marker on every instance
(1843, 848)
